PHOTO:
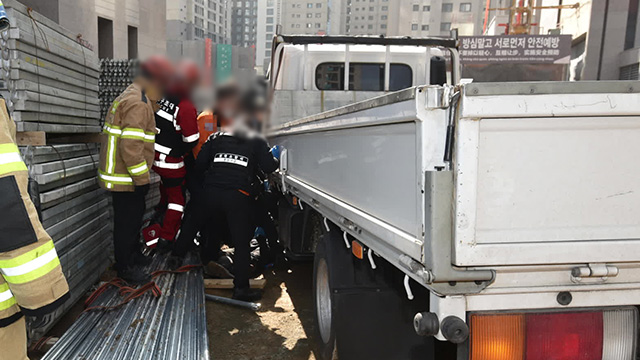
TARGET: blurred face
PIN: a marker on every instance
(227, 108)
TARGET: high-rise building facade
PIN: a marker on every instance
(418, 18)
(269, 16)
(365, 17)
(244, 23)
(199, 19)
(311, 17)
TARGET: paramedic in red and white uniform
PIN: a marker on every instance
(177, 127)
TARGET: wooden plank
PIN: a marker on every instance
(74, 138)
(31, 138)
(210, 284)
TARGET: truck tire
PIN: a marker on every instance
(362, 313)
(324, 303)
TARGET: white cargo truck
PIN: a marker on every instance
(479, 221)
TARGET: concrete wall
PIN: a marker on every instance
(602, 55)
(81, 17)
(48, 8)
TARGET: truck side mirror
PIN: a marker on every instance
(438, 74)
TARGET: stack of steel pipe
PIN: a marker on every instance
(170, 326)
(51, 80)
(115, 76)
(75, 213)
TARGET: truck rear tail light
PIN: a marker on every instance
(574, 335)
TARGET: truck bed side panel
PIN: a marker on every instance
(372, 168)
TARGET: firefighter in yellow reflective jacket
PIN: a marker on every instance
(126, 156)
(32, 282)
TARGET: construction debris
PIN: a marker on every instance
(166, 322)
(227, 284)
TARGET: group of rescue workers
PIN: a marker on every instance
(218, 158)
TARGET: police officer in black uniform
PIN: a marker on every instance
(229, 161)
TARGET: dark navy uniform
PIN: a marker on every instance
(229, 163)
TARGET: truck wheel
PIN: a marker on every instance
(324, 305)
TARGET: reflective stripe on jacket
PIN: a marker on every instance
(31, 278)
(126, 154)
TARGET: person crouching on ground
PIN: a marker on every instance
(229, 161)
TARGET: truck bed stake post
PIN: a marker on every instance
(370, 256)
(407, 287)
(326, 223)
(300, 204)
(346, 240)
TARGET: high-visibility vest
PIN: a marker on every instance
(207, 125)
(31, 279)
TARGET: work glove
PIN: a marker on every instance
(142, 189)
(275, 151)
(259, 232)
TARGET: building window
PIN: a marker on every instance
(318, 5)
(269, 20)
(318, 25)
(383, 17)
(269, 11)
(270, 27)
(465, 7)
(445, 26)
(318, 15)
(426, 8)
(199, 10)
(383, 26)
(105, 38)
(310, 5)
(309, 15)
(416, 7)
(370, 26)
(447, 7)
(132, 42)
(425, 27)
(385, 8)
(370, 17)
(414, 27)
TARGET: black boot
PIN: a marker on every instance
(164, 246)
(134, 275)
(247, 294)
(142, 260)
(217, 271)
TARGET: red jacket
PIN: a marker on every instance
(186, 128)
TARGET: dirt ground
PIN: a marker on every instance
(282, 329)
